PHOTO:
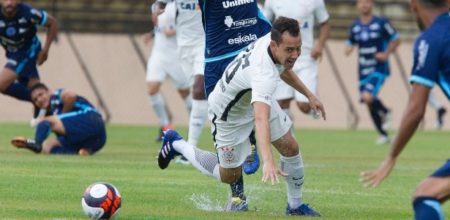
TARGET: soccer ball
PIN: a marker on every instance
(101, 201)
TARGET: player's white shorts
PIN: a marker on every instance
(231, 137)
(160, 65)
(192, 59)
(307, 71)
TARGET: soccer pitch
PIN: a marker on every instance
(50, 187)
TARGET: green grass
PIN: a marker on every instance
(50, 187)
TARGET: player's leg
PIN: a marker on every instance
(431, 193)
(291, 162)
(439, 108)
(9, 85)
(369, 89)
(155, 76)
(307, 71)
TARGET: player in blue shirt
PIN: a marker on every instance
(376, 39)
(18, 23)
(79, 127)
(431, 66)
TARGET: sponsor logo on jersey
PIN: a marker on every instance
(22, 20)
(22, 30)
(230, 4)
(232, 24)
(242, 39)
(191, 6)
(367, 62)
(367, 50)
(10, 31)
(423, 52)
(374, 27)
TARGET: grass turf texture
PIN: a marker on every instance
(50, 187)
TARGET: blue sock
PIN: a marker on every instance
(427, 208)
(43, 130)
(237, 188)
(18, 91)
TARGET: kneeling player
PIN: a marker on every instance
(79, 127)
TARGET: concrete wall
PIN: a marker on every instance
(120, 77)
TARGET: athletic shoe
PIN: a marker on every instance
(167, 152)
(383, 139)
(303, 210)
(163, 129)
(182, 160)
(30, 144)
(386, 119)
(237, 204)
(251, 163)
(440, 117)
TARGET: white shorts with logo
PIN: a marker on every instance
(160, 65)
(307, 71)
(231, 137)
(192, 59)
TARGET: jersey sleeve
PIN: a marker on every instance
(320, 12)
(426, 62)
(268, 10)
(389, 31)
(263, 84)
(36, 16)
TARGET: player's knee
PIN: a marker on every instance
(152, 88)
(198, 92)
(367, 98)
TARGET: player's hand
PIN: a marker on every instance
(316, 52)
(375, 177)
(42, 57)
(271, 172)
(317, 107)
(382, 56)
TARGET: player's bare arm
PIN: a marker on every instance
(292, 79)
(52, 28)
(410, 121)
(384, 56)
(349, 49)
(270, 169)
(324, 33)
(68, 98)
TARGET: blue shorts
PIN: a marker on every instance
(83, 130)
(23, 62)
(372, 83)
(443, 171)
(213, 72)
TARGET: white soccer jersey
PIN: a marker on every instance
(251, 77)
(305, 11)
(188, 23)
(163, 43)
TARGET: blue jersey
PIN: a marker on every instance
(18, 33)
(230, 25)
(432, 55)
(371, 38)
(80, 106)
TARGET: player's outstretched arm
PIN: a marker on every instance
(52, 29)
(324, 33)
(384, 56)
(410, 121)
(292, 79)
(270, 169)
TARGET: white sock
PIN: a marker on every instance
(293, 166)
(159, 106)
(432, 100)
(204, 161)
(199, 114)
(188, 103)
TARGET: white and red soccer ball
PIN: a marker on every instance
(101, 201)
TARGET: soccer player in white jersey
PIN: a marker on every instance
(164, 62)
(191, 47)
(307, 12)
(243, 100)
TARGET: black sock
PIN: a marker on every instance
(378, 106)
(377, 120)
(237, 188)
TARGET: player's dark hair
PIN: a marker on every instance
(283, 24)
(434, 3)
(38, 86)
